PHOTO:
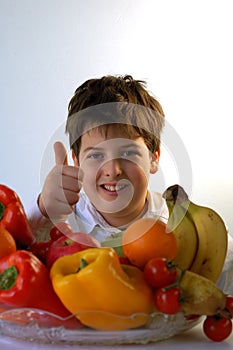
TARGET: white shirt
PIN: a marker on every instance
(86, 219)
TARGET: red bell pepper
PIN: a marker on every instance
(13, 217)
(25, 282)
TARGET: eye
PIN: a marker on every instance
(95, 156)
(129, 153)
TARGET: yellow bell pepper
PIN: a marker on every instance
(104, 294)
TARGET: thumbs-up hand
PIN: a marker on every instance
(61, 188)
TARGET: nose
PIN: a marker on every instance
(112, 168)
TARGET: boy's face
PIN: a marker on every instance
(115, 173)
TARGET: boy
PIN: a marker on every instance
(114, 126)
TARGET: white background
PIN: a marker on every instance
(182, 48)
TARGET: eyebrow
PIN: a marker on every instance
(94, 148)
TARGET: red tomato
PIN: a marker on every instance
(59, 230)
(229, 304)
(168, 300)
(217, 328)
(160, 272)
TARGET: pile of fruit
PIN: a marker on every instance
(166, 267)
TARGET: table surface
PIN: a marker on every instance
(193, 339)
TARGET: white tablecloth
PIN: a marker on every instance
(193, 339)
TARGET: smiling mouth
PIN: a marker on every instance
(113, 188)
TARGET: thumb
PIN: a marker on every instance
(60, 153)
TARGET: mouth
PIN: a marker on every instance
(113, 188)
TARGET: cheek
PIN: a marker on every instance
(144, 164)
(88, 179)
(89, 187)
(141, 168)
(91, 166)
(138, 175)
(89, 171)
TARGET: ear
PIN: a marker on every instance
(75, 159)
(154, 162)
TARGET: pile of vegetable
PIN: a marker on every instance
(78, 275)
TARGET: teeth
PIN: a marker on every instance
(113, 188)
(110, 188)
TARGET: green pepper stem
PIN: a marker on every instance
(83, 263)
(8, 278)
(2, 210)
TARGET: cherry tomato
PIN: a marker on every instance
(59, 230)
(168, 300)
(229, 304)
(217, 328)
(160, 272)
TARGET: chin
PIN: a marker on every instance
(111, 205)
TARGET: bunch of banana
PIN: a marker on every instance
(201, 234)
(201, 296)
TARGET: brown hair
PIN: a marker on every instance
(116, 99)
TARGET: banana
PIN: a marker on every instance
(211, 231)
(201, 296)
(185, 233)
